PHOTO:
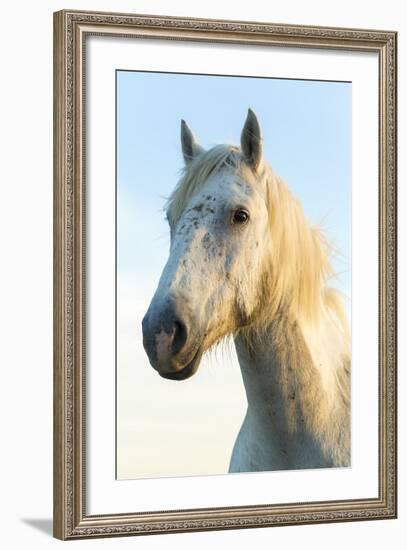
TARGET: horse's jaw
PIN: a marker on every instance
(187, 371)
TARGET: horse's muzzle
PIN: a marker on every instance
(166, 341)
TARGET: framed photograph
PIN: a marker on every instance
(225, 274)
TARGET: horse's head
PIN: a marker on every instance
(210, 285)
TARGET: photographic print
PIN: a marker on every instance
(233, 274)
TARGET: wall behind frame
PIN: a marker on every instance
(26, 274)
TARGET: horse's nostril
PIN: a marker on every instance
(180, 337)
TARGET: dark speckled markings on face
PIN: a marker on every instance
(206, 241)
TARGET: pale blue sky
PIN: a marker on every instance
(307, 140)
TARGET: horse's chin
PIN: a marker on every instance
(187, 371)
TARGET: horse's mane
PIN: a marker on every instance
(298, 264)
(300, 257)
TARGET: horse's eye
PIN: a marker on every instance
(240, 216)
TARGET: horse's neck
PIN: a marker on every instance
(298, 407)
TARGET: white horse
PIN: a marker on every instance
(245, 262)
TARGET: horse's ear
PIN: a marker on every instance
(251, 140)
(190, 147)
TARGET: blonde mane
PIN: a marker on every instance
(297, 263)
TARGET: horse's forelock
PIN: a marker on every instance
(196, 173)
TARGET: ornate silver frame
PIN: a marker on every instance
(70, 31)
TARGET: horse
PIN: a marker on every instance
(244, 262)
